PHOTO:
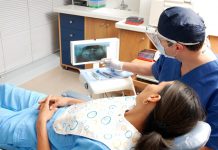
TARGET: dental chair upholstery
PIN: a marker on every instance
(193, 140)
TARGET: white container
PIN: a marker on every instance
(96, 3)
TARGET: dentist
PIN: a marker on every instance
(185, 57)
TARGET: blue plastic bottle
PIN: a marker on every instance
(96, 3)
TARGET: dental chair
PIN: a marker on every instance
(193, 140)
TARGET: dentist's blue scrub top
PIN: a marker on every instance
(18, 115)
(203, 79)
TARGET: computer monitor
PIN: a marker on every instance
(92, 51)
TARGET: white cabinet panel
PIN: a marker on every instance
(28, 31)
(17, 50)
(57, 3)
(44, 40)
(157, 7)
(2, 67)
(40, 12)
(13, 16)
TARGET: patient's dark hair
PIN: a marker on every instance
(175, 114)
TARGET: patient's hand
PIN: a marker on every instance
(45, 111)
(58, 101)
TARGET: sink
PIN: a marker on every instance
(127, 9)
(115, 12)
(106, 10)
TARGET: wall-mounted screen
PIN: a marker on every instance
(92, 51)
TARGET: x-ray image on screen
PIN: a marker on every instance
(87, 52)
(92, 51)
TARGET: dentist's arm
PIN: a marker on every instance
(142, 68)
(45, 113)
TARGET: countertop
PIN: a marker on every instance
(137, 28)
(108, 14)
(101, 13)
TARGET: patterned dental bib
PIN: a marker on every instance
(102, 120)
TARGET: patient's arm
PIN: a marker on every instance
(42, 136)
(58, 101)
(45, 113)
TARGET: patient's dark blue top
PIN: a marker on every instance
(18, 115)
(203, 79)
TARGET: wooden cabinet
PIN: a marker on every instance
(71, 28)
(139, 85)
(214, 43)
(131, 43)
(100, 28)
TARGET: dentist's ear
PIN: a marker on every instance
(179, 46)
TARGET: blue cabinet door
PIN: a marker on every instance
(72, 29)
(72, 21)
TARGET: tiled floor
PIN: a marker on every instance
(45, 75)
(55, 82)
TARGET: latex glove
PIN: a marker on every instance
(112, 63)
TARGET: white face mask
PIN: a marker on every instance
(153, 36)
(161, 49)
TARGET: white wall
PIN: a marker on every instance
(208, 9)
(157, 7)
(2, 67)
(144, 10)
(28, 31)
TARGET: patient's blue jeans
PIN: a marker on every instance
(18, 115)
(18, 107)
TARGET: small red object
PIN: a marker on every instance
(134, 20)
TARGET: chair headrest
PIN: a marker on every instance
(194, 139)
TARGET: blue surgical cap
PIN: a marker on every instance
(181, 25)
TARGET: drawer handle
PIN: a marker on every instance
(71, 21)
(71, 35)
(102, 25)
(142, 39)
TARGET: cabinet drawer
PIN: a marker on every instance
(71, 21)
(71, 34)
(66, 57)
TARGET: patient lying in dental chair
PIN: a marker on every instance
(151, 120)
